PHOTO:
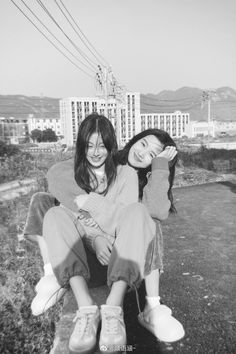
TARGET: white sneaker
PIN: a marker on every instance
(49, 292)
(46, 282)
(113, 333)
(162, 324)
(83, 337)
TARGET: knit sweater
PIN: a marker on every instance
(105, 210)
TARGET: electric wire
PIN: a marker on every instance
(80, 37)
(55, 36)
(86, 39)
(78, 67)
(70, 40)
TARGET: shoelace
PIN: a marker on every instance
(83, 322)
(112, 322)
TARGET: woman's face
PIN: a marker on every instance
(96, 151)
(144, 150)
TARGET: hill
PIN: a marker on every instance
(20, 106)
(185, 99)
(188, 99)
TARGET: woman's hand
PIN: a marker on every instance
(80, 200)
(88, 221)
(103, 248)
(169, 153)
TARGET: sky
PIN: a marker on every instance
(150, 45)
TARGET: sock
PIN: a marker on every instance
(48, 269)
(153, 301)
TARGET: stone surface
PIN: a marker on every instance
(198, 283)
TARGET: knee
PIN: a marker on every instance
(51, 215)
(42, 199)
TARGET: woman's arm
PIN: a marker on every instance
(106, 211)
(62, 184)
(155, 196)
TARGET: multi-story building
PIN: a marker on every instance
(173, 123)
(45, 123)
(124, 115)
(13, 131)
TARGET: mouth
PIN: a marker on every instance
(96, 159)
(137, 158)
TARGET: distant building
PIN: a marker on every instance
(45, 123)
(173, 123)
(199, 128)
(13, 131)
(222, 128)
(124, 115)
(215, 128)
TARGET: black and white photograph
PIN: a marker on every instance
(117, 176)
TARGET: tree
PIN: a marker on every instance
(49, 135)
(36, 135)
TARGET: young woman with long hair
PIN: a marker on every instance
(153, 155)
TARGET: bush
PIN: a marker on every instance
(204, 158)
(8, 150)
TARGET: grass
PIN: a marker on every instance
(21, 264)
(21, 268)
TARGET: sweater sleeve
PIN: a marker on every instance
(62, 184)
(105, 211)
(155, 196)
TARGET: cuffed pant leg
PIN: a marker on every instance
(65, 246)
(134, 244)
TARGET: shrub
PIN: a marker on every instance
(8, 150)
(204, 157)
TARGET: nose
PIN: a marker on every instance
(141, 154)
(96, 151)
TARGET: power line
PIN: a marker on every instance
(70, 40)
(86, 39)
(50, 40)
(77, 32)
(55, 36)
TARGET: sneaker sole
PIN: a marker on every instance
(149, 328)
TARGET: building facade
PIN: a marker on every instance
(214, 128)
(13, 131)
(173, 123)
(45, 123)
(124, 114)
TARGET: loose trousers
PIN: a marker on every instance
(132, 256)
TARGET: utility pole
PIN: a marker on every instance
(110, 88)
(206, 96)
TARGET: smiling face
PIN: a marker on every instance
(96, 151)
(144, 150)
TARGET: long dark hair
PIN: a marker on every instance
(166, 140)
(83, 171)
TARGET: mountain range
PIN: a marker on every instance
(185, 99)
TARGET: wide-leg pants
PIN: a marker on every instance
(132, 256)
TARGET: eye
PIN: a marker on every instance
(142, 142)
(152, 155)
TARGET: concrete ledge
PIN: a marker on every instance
(17, 188)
